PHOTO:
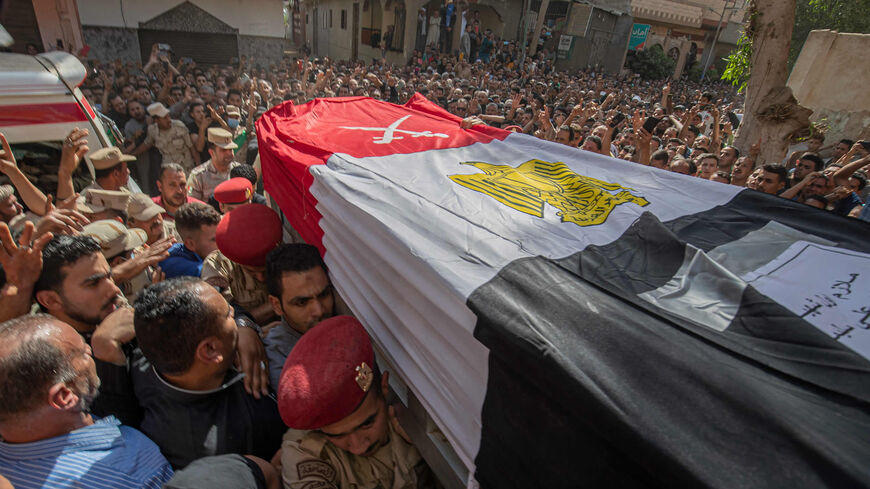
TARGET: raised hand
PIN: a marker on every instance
(23, 263)
(75, 146)
(7, 158)
(60, 221)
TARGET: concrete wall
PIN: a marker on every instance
(109, 43)
(604, 42)
(251, 17)
(827, 78)
(266, 50)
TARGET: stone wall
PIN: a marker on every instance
(827, 79)
(264, 50)
(110, 43)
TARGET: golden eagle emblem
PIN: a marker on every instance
(582, 200)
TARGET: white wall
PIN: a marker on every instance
(251, 17)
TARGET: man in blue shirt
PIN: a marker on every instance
(197, 224)
(47, 382)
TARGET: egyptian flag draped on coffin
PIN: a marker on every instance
(573, 320)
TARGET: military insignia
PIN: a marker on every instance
(581, 200)
(315, 468)
(364, 376)
(317, 485)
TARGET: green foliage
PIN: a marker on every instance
(838, 15)
(695, 71)
(739, 63)
(652, 64)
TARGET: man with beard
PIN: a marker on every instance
(144, 214)
(49, 438)
(343, 432)
(172, 184)
(207, 176)
(76, 287)
(300, 294)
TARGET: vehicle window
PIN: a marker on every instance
(39, 162)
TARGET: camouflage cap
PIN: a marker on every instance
(106, 158)
(221, 138)
(142, 208)
(114, 237)
(98, 200)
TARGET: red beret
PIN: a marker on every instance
(234, 191)
(327, 374)
(247, 233)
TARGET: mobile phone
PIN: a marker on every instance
(650, 124)
(187, 60)
(617, 119)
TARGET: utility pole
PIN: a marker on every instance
(533, 43)
(716, 37)
(523, 29)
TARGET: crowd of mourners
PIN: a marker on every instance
(98, 385)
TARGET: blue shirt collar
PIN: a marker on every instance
(104, 434)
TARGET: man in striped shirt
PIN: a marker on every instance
(47, 381)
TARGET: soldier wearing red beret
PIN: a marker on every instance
(342, 431)
(244, 237)
(233, 193)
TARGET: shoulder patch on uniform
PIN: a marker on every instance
(315, 468)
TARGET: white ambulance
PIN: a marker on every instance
(40, 103)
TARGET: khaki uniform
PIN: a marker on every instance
(96, 186)
(174, 144)
(237, 284)
(204, 178)
(309, 461)
(170, 230)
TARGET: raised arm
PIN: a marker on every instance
(75, 146)
(841, 177)
(33, 198)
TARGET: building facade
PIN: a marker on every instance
(209, 31)
(356, 29)
(686, 29)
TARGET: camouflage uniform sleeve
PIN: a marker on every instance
(186, 135)
(216, 270)
(194, 184)
(169, 229)
(151, 134)
(301, 468)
